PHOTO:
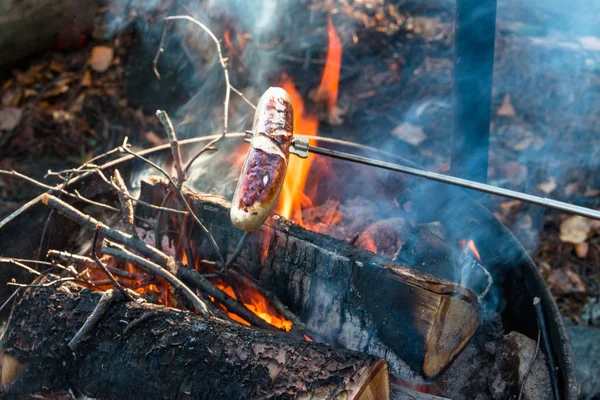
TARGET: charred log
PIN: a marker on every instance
(143, 351)
(348, 297)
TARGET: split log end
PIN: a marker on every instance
(11, 368)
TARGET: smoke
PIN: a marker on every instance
(547, 61)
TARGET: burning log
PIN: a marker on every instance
(152, 352)
(346, 296)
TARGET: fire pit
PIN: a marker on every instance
(444, 238)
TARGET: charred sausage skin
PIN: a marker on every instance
(264, 170)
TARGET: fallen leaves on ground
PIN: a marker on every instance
(506, 109)
(101, 58)
(548, 186)
(575, 229)
(564, 280)
(409, 133)
(10, 118)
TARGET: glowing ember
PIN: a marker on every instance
(469, 246)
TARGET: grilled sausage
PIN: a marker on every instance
(264, 170)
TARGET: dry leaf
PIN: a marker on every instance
(27, 93)
(10, 118)
(55, 91)
(86, 80)
(12, 97)
(62, 116)
(581, 249)
(515, 172)
(101, 58)
(572, 188)
(506, 109)
(409, 133)
(525, 222)
(545, 269)
(575, 229)
(509, 207)
(564, 280)
(547, 187)
(77, 105)
(55, 66)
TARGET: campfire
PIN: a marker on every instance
(158, 279)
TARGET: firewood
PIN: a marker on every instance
(348, 297)
(144, 351)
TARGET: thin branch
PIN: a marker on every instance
(228, 87)
(124, 254)
(107, 299)
(48, 187)
(92, 224)
(238, 250)
(221, 60)
(47, 284)
(86, 262)
(175, 148)
(20, 264)
(243, 97)
(136, 200)
(95, 203)
(195, 279)
(10, 299)
(160, 50)
(106, 271)
(211, 239)
(126, 203)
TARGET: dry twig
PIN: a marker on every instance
(124, 254)
(106, 271)
(126, 203)
(175, 148)
(107, 299)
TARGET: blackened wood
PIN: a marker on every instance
(141, 351)
(348, 297)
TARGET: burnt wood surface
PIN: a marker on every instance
(346, 296)
(144, 351)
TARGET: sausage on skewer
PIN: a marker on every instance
(264, 170)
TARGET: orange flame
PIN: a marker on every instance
(292, 194)
(259, 306)
(366, 242)
(229, 45)
(328, 89)
(467, 246)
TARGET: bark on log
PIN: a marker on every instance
(349, 297)
(144, 351)
(31, 26)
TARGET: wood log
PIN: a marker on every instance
(31, 26)
(346, 296)
(145, 351)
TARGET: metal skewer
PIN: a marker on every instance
(302, 148)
